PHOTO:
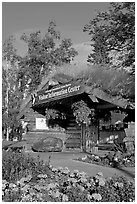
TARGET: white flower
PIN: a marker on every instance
(68, 187)
(4, 182)
(38, 187)
(52, 186)
(92, 181)
(100, 174)
(12, 185)
(28, 178)
(42, 176)
(72, 175)
(64, 198)
(88, 185)
(39, 196)
(84, 158)
(56, 194)
(66, 170)
(81, 188)
(101, 182)
(83, 179)
(26, 198)
(97, 196)
(115, 159)
(89, 197)
(96, 157)
(3, 186)
(82, 174)
(60, 168)
(25, 188)
(73, 180)
(54, 169)
(15, 189)
(120, 185)
(22, 180)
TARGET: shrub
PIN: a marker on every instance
(49, 144)
(16, 165)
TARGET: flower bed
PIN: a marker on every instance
(50, 184)
(63, 186)
(110, 159)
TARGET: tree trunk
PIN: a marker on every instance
(7, 102)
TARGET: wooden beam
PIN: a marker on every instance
(106, 106)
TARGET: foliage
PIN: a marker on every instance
(113, 33)
(44, 53)
(22, 75)
(17, 165)
(53, 114)
(112, 81)
(83, 113)
(86, 115)
(11, 96)
(62, 186)
(9, 51)
(12, 103)
(115, 160)
(49, 144)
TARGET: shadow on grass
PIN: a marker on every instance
(126, 172)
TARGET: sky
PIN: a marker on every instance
(70, 17)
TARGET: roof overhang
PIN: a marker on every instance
(103, 100)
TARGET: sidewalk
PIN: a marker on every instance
(66, 159)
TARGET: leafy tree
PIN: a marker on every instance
(113, 34)
(116, 82)
(9, 52)
(10, 88)
(11, 99)
(21, 75)
(44, 53)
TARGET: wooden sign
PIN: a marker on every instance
(58, 92)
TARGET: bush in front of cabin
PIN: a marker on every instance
(49, 144)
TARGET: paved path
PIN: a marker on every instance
(65, 159)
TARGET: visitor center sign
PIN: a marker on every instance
(57, 93)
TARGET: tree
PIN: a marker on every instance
(113, 34)
(44, 53)
(10, 88)
(22, 75)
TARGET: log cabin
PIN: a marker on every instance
(59, 92)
